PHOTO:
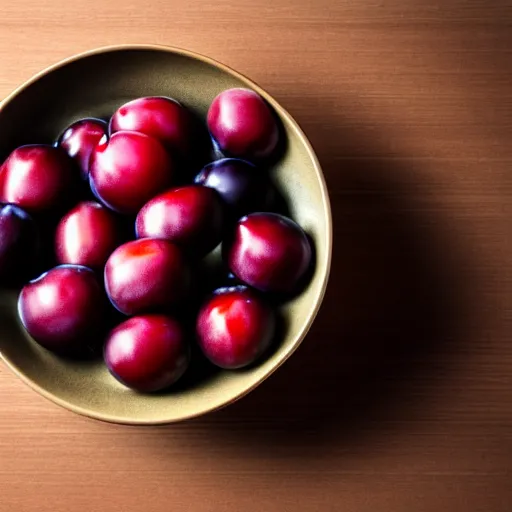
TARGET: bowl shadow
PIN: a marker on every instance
(395, 300)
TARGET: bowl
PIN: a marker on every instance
(94, 84)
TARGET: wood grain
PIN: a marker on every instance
(400, 400)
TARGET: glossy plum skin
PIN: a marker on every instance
(80, 139)
(147, 353)
(63, 309)
(242, 124)
(87, 235)
(240, 184)
(38, 178)
(234, 328)
(269, 252)
(128, 170)
(146, 275)
(163, 118)
(19, 244)
(191, 217)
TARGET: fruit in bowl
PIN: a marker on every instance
(191, 217)
(87, 235)
(146, 275)
(131, 173)
(63, 309)
(242, 186)
(242, 124)
(37, 178)
(80, 139)
(163, 118)
(147, 353)
(19, 244)
(269, 252)
(129, 169)
(235, 327)
(192, 282)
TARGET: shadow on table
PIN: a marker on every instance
(394, 302)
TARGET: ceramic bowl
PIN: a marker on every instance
(94, 84)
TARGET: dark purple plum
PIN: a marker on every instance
(242, 186)
(19, 245)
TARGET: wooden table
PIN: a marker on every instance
(400, 399)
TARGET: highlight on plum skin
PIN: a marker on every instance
(235, 327)
(147, 275)
(87, 235)
(243, 125)
(79, 140)
(63, 309)
(19, 245)
(128, 170)
(269, 252)
(147, 353)
(192, 217)
(38, 178)
(160, 117)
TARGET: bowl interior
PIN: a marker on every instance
(95, 85)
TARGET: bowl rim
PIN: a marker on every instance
(113, 418)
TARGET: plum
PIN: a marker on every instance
(242, 186)
(63, 309)
(147, 353)
(128, 170)
(146, 275)
(235, 327)
(191, 217)
(163, 118)
(80, 139)
(243, 125)
(19, 245)
(269, 252)
(87, 235)
(38, 178)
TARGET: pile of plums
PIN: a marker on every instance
(115, 212)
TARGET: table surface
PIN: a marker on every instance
(400, 399)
